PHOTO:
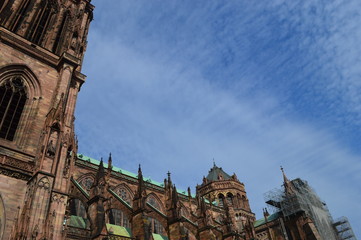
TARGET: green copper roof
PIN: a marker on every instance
(118, 230)
(262, 221)
(125, 172)
(159, 237)
(215, 172)
(76, 221)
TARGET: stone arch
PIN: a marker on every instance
(230, 198)
(221, 200)
(154, 200)
(124, 192)
(155, 220)
(86, 181)
(44, 183)
(184, 211)
(33, 94)
(2, 217)
(31, 81)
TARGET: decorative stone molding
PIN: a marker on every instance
(14, 174)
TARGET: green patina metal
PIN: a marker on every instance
(159, 237)
(77, 222)
(118, 230)
(126, 173)
(270, 218)
(215, 172)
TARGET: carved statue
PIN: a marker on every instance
(50, 149)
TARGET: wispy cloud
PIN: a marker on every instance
(254, 86)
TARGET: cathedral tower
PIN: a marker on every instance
(227, 192)
(42, 44)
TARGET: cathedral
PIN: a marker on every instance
(50, 191)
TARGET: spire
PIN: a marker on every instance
(169, 179)
(285, 179)
(287, 183)
(100, 183)
(110, 161)
(140, 195)
(174, 197)
(140, 174)
(100, 173)
(141, 184)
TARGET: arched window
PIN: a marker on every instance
(124, 192)
(229, 199)
(86, 182)
(154, 225)
(12, 101)
(220, 200)
(117, 217)
(154, 202)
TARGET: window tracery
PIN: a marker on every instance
(154, 202)
(87, 182)
(41, 22)
(12, 101)
(124, 193)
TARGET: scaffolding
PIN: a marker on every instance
(343, 229)
(303, 199)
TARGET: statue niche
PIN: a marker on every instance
(53, 140)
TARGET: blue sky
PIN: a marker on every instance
(173, 85)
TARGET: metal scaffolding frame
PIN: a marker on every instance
(303, 199)
(343, 229)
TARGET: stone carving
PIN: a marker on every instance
(19, 164)
(58, 198)
(13, 174)
(50, 149)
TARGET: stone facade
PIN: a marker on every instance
(49, 191)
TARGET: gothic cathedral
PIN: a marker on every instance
(50, 191)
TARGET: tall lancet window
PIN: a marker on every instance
(20, 15)
(61, 35)
(12, 102)
(42, 21)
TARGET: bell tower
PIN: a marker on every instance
(42, 45)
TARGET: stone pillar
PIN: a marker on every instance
(207, 233)
(140, 226)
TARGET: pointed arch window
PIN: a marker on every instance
(124, 192)
(154, 202)
(12, 101)
(41, 22)
(86, 182)
(230, 199)
(221, 200)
